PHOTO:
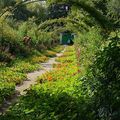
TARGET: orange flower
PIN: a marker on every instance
(49, 78)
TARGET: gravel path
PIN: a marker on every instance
(20, 89)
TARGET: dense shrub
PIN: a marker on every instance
(87, 45)
(106, 78)
(7, 75)
(6, 57)
(6, 89)
(100, 70)
(10, 41)
(38, 59)
(50, 53)
(39, 40)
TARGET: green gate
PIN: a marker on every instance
(66, 38)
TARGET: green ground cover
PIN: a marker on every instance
(55, 97)
(15, 73)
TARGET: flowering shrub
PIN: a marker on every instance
(50, 53)
(58, 49)
(39, 59)
(9, 76)
(24, 67)
(62, 71)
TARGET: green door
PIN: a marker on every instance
(65, 38)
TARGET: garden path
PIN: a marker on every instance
(47, 66)
(21, 89)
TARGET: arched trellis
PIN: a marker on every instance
(102, 20)
(45, 25)
(18, 4)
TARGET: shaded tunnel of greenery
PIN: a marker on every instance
(85, 84)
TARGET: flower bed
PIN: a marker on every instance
(55, 97)
(16, 73)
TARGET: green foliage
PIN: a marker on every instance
(6, 57)
(38, 11)
(87, 44)
(7, 75)
(49, 53)
(39, 40)
(58, 10)
(57, 98)
(15, 72)
(88, 7)
(62, 94)
(24, 67)
(106, 76)
(99, 64)
(110, 8)
(38, 59)
(6, 3)
(6, 89)
(57, 49)
(21, 13)
(10, 41)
